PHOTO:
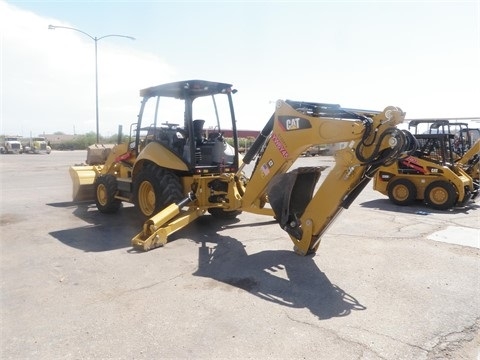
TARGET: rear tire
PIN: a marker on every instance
(440, 195)
(105, 191)
(402, 192)
(156, 188)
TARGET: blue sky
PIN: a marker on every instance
(423, 57)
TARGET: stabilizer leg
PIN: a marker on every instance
(157, 229)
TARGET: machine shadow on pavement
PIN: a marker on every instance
(279, 276)
(104, 232)
(417, 208)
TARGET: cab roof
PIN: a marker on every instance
(187, 88)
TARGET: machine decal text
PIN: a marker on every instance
(278, 143)
(290, 123)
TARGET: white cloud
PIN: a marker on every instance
(48, 77)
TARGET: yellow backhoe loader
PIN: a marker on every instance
(440, 173)
(175, 173)
(470, 162)
(469, 139)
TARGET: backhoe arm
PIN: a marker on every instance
(303, 208)
(470, 163)
(471, 155)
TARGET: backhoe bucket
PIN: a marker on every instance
(290, 193)
(83, 179)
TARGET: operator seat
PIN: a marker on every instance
(198, 134)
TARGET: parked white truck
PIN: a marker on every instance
(11, 145)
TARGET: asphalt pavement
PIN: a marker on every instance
(387, 282)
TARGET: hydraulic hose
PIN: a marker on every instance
(374, 157)
(259, 141)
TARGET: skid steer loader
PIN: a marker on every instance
(440, 173)
(178, 164)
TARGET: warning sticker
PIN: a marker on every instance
(265, 169)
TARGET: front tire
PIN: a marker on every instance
(105, 191)
(156, 188)
(440, 195)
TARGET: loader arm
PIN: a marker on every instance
(471, 155)
(470, 163)
(303, 208)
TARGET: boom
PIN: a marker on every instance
(303, 209)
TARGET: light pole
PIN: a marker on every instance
(95, 39)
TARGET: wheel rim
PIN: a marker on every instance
(400, 193)
(146, 198)
(438, 195)
(102, 194)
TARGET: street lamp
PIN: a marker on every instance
(95, 39)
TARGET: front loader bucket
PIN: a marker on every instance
(83, 179)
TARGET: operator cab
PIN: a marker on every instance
(193, 120)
